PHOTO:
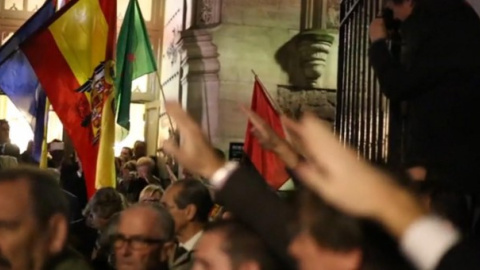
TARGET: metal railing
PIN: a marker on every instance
(363, 118)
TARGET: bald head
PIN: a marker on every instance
(153, 219)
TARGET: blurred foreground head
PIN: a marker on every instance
(33, 219)
(104, 204)
(325, 236)
(228, 245)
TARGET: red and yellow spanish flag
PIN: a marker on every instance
(72, 57)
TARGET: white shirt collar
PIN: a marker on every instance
(192, 242)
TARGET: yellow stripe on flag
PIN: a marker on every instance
(81, 36)
(105, 176)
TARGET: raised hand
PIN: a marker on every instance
(349, 183)
(270, 140)
(194, 152)
(378, 30)
(262, 131)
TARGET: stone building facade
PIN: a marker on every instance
(210, 48)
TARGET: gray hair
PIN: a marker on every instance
(164, 218)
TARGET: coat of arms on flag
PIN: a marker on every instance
(98, 88)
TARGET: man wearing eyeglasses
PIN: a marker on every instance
(144, 237)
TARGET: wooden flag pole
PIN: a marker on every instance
(207, 110)
(44, 154)
(164, 99)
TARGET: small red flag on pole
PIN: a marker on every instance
(267, 163)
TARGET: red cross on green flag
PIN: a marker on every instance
(134, 59)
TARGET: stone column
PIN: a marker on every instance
(311, 17)
(200, 84)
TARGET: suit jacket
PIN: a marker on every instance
(184, 262)
(463, 256)
(68, 260)
(254, 203)
(10, 150)
(74, 183)
(74, 207)
(440, 87)
(7, 162)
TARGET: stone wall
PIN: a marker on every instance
(248, 37)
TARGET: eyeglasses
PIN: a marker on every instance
(135, 242)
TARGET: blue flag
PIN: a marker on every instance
(18, 80)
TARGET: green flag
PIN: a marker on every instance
(134, 59)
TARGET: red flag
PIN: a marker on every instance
(267, 163)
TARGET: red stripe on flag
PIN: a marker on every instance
(71, 107)
(110, 14)
(267, 163)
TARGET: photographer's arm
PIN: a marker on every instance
(429, 63)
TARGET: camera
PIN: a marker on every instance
(390, 22)
(393, 30)
(133, 175)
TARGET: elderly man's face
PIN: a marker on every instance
(180, 216)
(23, 245)
(139, 243)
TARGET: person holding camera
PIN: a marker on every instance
(131, 183)
(438, 76)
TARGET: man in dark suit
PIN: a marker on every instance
(189, 203)
(6, 148)
(438, 76)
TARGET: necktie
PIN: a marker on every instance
(179, 251)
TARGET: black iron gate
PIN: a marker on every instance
(363, 118)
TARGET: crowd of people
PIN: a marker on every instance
(345, 213)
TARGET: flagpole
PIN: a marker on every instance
(207, 110)
(44, 154)
(274, 104)
(164, 100)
